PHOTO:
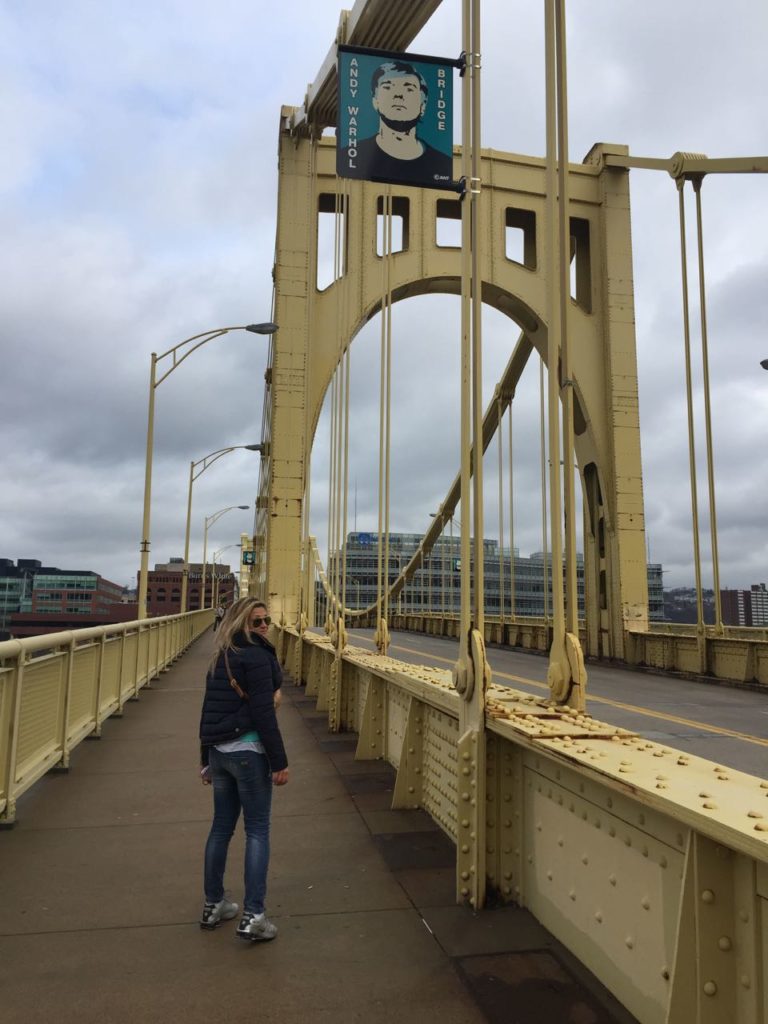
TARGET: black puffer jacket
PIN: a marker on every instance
(225, 716)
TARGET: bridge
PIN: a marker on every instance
(647, 863)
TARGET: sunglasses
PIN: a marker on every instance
(259, 621)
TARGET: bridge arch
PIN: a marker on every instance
(312, 322)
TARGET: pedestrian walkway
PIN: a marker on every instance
(100, 894)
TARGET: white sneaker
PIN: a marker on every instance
(256, 928)
(214, 913)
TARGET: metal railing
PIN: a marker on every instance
(56, 689)
(648, 863)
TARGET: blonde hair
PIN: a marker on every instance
(235, 621)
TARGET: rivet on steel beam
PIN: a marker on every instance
(612, 879)
(754, 814)
(549, 875)
(629, 942)
(707, 896)
(572, 895)
(710, 988)
(645, 903)
(599, 917)
(662, 862)
(725, 944)
(709, 805)
(745, 982)
(665, 974)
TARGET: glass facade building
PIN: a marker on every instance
(436, 586)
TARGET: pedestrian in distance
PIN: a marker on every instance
(242, 756)
(218, 615)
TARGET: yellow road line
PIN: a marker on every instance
(719, 730)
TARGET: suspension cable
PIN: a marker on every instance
(689, 398)
(511, 522)
(499, 438)
(708, 408)
(542, 417)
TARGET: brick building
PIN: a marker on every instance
(43, 599)
(745, 607)
(164, 587)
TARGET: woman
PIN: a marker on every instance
(243, 756)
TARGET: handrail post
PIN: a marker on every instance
(96, 734)
(63, 764)
(8, 815)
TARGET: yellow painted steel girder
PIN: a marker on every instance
(604, 373)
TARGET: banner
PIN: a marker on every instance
(395, 118)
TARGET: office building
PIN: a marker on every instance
(44, 599)
(164, 587)
(436, 586)
(745, 607)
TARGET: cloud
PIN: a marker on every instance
(139, 196)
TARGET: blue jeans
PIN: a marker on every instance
(240, 780)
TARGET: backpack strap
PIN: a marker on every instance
(232, 681)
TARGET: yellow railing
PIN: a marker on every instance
(648, 863)
(57, 688)
(739, 654)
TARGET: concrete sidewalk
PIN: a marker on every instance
(100, 894)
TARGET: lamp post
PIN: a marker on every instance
(215, 585)
(194, 473)
(186, 347)
(209, 521)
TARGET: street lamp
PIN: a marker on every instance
(209, 521)
(215, 584)
(194, 473)
(189, 345)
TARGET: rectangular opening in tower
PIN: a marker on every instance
(520, 237)
(331, 251)
(448, 223)
(581, 264)
(400, 224)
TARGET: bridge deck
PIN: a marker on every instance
(100, 894)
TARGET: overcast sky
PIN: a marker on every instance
(138, 182)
